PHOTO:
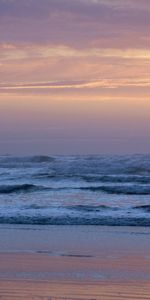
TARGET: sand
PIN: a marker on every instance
(55, 262)
(73, 290)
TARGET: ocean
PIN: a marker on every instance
(75, 190)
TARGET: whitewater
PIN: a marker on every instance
(75, 190)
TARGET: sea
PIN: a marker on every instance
(108, 190)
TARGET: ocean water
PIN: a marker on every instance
(75, 190)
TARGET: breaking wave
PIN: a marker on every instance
(77, 215)
(68, 220)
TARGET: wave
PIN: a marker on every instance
(42, 159)
(76, 215)
(46, 175)
(138, 170)
(96, 164)
(8, 189)
(91, 208)
(117, 179)
(70, 220)
(88, 208)
(93, 178)
(27, 161)
(145, 208)
(70, 208)
(120, 189)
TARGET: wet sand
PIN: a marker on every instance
(74, 263)
(73, 290)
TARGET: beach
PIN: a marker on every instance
(74, 262)
(74, 150)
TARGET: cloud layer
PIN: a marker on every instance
(77, 72)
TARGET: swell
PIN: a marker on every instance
(42, 159)
(8, 189)
(94, 178)
(79, 208)
(120, 189)
(88, 208)
(91, 208)
(99, 164)
(145, 208)
(25, 162)
(117, 179)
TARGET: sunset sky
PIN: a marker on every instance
(74, 76)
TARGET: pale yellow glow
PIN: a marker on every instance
(105, 83)
(19, 52)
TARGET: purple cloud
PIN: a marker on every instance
(78, 23)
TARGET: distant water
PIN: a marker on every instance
(75, 190)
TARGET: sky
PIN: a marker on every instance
(74, 76)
